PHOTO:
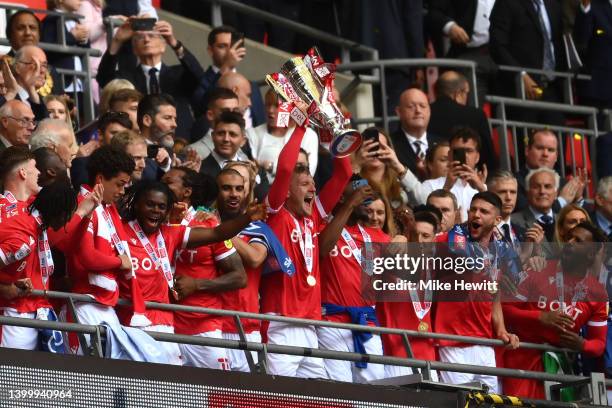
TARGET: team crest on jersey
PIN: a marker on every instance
(228, 244)
(460, 241)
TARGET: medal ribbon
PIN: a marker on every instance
(161, 261)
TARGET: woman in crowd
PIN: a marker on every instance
(436, 160)
(569, 216)
(108, 91)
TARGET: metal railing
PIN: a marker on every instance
(87, 108)
(381, 79)
(503, 124)
(346, 46)
(567, 79)
(98, 332)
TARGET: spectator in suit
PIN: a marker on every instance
(528, 33)
(593, 33)
(29, 67)
(450, 111)
(226, 55)
(543, 151)
(446, 202)
(219, 100)
(152, 76)
(602, 214)
(228, 136)
(23, 28)
(76, 35)
(243, 89)
(136, 146)
(16, 124)
(542, 187)
(466, 24)
(395, 29)
(412, 140)
(504, 184)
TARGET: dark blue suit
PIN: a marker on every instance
(593, 33)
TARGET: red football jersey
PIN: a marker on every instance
(18, 250)
(10, 209)
(292, 296)
(150, 278)
(199, 263)
(522, 318)
(245, 299)
(341, 273)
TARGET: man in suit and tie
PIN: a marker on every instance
(228, 136)
(450, 111)
(16, 124)
(543, 184)
(504, 184)
(602, 215)
(152, 76)
(411, 140)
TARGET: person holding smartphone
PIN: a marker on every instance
(149, 39)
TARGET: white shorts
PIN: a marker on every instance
(205, 356)
(237, 358)
(25, 338)
(95, 314)
(342, 340)
(172, 349)
(474, 355)
(287, 334)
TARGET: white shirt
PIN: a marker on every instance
(145, 71)
(266, 147)
(422, 140)
(248, 118)
(78, 66)
(23, 95)
(500, 226)
(480, 32)
(538, 214)
(146, 7)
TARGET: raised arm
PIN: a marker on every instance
(331, 192)
(253, 254)
(286, 162)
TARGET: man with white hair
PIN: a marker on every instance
(57, 135)
(16, 124)
(542, 188)
(602, 216)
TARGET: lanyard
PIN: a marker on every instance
(45, 259)
(306, 242)
(160, 261)
(100, 210)
(346, 236)
(579, 293)
(188, 217)
(421, 310)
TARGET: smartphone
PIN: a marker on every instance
(371, 134)
(236, 37)
(356, 184)
(143, 24)
(459, 155)
(152, 151)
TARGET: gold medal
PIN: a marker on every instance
(423, 326)
(311, 280)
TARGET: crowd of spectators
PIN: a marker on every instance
(159, 198)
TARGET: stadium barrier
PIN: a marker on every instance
(593, 384)
(567, 78)
(86, 105)
(503, 124)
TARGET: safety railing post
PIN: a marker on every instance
(243, 339)
(216, 14)
(474, 85)
(345, 55)
(383, 97)
(593, 144)
(88, 100)
(505, 152)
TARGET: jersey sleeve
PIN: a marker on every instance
(16, 246)
(222, 250)
(286, 162)
(175, 237)
(597, 330)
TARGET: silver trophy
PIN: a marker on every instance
(309, 80)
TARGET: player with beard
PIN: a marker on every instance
(569, 297)
(296, 222)
(202, 274)
(475, 313)
(341, 243)
(153, 244)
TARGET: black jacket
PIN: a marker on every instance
(179, 81)
(404, 151)
(462, 12)
(447, 114)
